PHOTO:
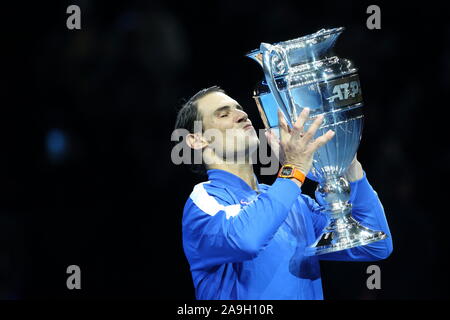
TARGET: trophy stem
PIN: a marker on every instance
(343, 231)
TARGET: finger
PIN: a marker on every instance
(282, 121)
(275, 146)
(313, 128)
(300, 122)
(320, 141)
(284, 128)
(272, 140)
(269, 136)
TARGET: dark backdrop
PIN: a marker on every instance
(86, 176)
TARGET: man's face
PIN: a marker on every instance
(225, 120)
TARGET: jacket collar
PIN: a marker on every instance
(228, 179)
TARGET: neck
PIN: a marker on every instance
(243, 171)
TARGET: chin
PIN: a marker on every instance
(251, 132)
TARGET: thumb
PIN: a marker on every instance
(272, 140)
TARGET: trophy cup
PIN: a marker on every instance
(304, 72)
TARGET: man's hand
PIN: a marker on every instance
(295, 146)
(354, 171)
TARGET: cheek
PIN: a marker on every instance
(223, 123)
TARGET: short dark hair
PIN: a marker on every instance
(188, 114)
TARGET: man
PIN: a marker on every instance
(246, 240)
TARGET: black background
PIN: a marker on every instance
(112, 201)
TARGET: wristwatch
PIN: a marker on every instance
(290, 171)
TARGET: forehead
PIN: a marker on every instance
(212, 101)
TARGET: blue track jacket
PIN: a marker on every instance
(242, 244)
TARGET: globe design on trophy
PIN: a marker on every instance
(305, 72)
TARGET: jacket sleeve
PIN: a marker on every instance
(215, 232)
(368, 210)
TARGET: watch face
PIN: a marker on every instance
(286, 171)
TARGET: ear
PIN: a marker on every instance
(196, 141)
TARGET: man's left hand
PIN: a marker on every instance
(354, 171)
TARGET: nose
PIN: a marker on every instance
(240, 116)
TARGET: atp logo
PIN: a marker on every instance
(345, 91)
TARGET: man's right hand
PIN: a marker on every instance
(297, 146)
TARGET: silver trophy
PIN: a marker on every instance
(305, 72)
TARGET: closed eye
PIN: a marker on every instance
(224, 111)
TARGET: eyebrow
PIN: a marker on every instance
(227, 108)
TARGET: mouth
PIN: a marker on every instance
(248, 127)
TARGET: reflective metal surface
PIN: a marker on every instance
(304, 72)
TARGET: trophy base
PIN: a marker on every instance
(343, 233)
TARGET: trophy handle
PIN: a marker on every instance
(267, 52)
